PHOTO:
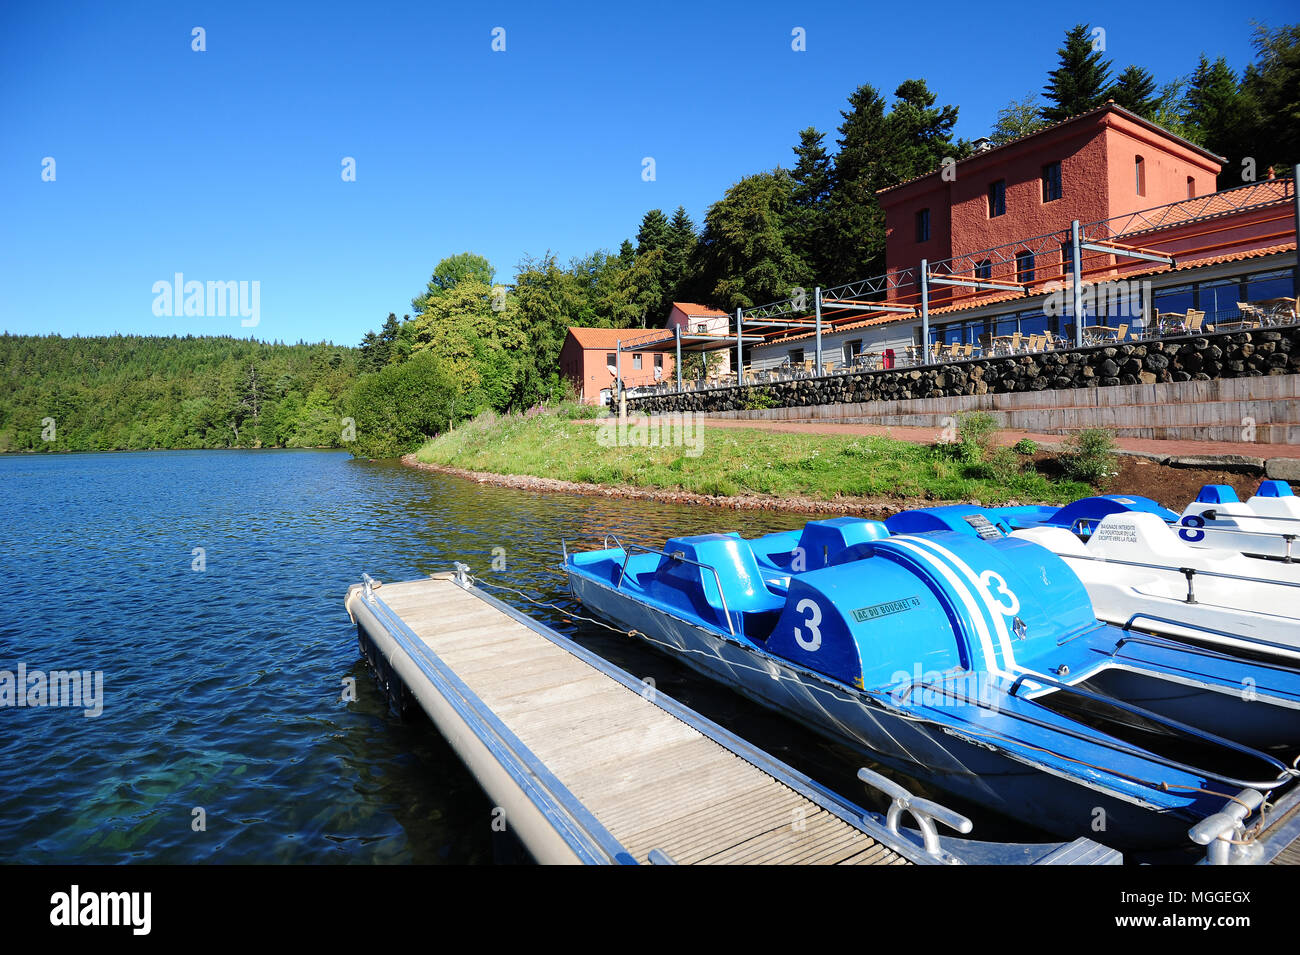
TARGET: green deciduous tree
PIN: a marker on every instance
(464, 266)
(745, 252)
(1018, 118)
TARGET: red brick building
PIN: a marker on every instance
(1104, 163)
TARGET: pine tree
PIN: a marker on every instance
(679, 247)
(1135, 90)
(813, 177)
(1272, 87)
(653, 233)
(1220, 114)
(920, 132)
(1081, 82)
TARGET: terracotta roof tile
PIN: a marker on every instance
(691, 309)
(609, 337)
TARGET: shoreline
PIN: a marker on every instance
(872, 508)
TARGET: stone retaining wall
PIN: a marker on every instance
(1252, 353)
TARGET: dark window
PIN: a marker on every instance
(610, 359)
(1024, 266)
(1140, 175)
(984, 270)
(1067, 258)
(659, 359)
(852, 349)
(1051, 181)
(1033, 323)
(1191, 188)
(997, 198)
(923, 226)
(796, 356)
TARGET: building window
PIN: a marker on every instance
(1051, 181)
(1024, 266)
(1191, 188)
(852, 350)
(923, 226)
(610, 361)
(636, 361)
(796, 356)
(984, 270)
(702, 328)
(659, 359)
(1067, 258)
(1140, 175)
(997, 198)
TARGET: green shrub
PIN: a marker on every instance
(975, 434)
(398, 407)
(758, 400)
(1025, 446)
(1003, 465)
(1090, 457)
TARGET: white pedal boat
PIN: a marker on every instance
(1141, 574)
(1266, 525)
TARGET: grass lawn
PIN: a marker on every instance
(734, 461)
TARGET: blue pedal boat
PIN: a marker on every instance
(957, 660)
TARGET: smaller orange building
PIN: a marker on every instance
(695, 319)
(587, 359)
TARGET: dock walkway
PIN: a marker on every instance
(589, 764)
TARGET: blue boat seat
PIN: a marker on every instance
(685, 578)
(1274, 489)
(1217, 494)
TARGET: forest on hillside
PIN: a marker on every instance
(131, 392)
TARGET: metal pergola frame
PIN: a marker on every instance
(1105, 237)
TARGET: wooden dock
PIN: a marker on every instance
(588, 763)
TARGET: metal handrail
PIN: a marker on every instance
(1213, 514)
(1197, 651)
(678, 556)
(1112, 744)
(1176, 725)
(1178, 570)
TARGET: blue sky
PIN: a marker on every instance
(225, 165)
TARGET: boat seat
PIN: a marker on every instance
(825, 542)
(685, 578)
(1274, 489)
(1217, 494)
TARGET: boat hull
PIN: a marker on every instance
(970, 770)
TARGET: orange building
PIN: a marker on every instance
(588, 359)
(1104, 163)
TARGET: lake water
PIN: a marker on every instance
(207, 588)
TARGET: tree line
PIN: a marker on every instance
(134, 392)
